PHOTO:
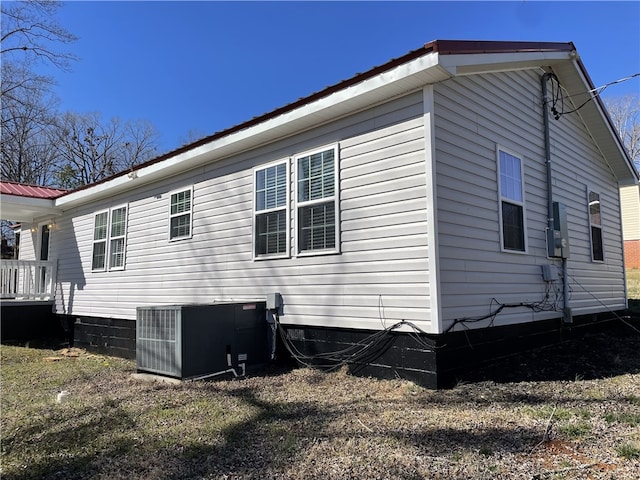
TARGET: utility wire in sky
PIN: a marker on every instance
(556, 98)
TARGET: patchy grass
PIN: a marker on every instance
(633, 283)
(629, 451)
(541, 419)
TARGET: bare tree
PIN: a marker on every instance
(29, 31)
(26, 118)
(625, 114)
(30, 36)
(89, 150)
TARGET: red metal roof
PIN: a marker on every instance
(32, 191)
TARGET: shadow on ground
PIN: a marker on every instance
(610, 352)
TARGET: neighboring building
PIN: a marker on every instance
(630, 200)
(401, 214)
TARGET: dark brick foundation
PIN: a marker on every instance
(437, 361)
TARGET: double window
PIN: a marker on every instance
(315, 192)
(595, 224)
(109, 239)
(512, 206)
(180, 210)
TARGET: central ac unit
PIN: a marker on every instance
(195, 341)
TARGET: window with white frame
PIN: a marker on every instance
(512, 206)
(109, 239)
(316, 186)
(180, 215)
(595, 224)
(99, 256)
(117, 237)
(270, 221)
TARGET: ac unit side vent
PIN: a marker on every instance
(158, 346)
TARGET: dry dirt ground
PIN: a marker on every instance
(571, 411)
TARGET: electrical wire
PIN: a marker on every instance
(594, 92)
(371, 347)
(605, 86)
(605, 306)
(361, 353)
(544, 305)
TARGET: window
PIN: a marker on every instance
(595, 222)
(109, 239)
(270, 222)
(317, 227)
(180, 215)
(118, 228)
(100, 241)
(512, 211)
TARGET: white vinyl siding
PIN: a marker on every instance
(383, 272)
(317, 205)
(595, 226)
(180, 214)
(380, 277)
(473, 115)
(109, 240)
(630, 201)
(271, 234)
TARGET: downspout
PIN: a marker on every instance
(547, 156)
(566, 310)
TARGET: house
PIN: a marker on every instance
(630, 200)
(456, 201)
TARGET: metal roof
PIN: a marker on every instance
(31, 191)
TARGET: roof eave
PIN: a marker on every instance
(474, 64)
(397, 81)
(26, 209)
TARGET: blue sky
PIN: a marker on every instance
(206, 66)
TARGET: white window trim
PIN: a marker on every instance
(336, 200)
(522, 204)
(286, 208)
(183, 237)
(107, 251)
(124, 237)
(105, 240)
(589, 191)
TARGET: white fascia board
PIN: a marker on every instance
(396, 81)
(472, 64)
(26, 209)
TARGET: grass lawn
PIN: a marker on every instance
(571, 411)
(633, 283)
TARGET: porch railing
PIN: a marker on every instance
(27, 279)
